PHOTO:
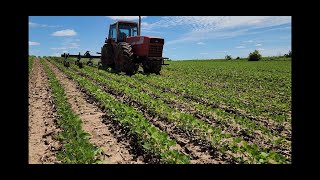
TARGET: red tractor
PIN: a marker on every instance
(125, 49)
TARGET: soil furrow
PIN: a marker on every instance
(234, 129)
(283, 129)
(42, 121)
(102, 134)
(199, 151)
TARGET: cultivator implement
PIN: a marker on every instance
(79, 56)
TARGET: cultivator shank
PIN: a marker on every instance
(79, 56)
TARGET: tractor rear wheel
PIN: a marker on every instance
(124, 59)
(107, 56)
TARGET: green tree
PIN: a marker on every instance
(289, 54)
(254, 56)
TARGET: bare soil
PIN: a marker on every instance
(199, 152)
(103, 134)
(42, 123)
(282, 128)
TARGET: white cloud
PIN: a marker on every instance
(70, 43)
(258, 44)
(34, 51)
(211, 27)
(276, 51)
(66, 32)
(144, 24)
(200, 43)
(61, 48)
(249, 41)
(68, 40)
(53, 26)
(34, 25)
(56, 54)
(145, 28)
(221, 51)
(64, 51)
(208, 23)
(74, 45)
(260, 49)
(128, 18)
(240, 47)
(204, 53)
(198, 35)
(33, 43)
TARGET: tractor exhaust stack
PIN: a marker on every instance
(139, 26)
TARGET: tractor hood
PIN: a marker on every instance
(146, 46)
(136, 40)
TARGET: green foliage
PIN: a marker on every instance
(254, 56)
(30, 63)
(198, 128)
(76, 146)
(151, 138)
(255, 97)
(288, 55)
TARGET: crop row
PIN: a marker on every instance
(250, 153)
(262, 86)
(76, 147)
(30, 63)
(150, 138)
(220, 98)
(213, 115)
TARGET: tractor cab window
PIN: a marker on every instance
(123, 34)
(127, 30)
(113, 32)
(134, 31)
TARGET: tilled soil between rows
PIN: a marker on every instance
(42, 123)
(235, 129)
(103, 134)
(282, 128)
(199, 152)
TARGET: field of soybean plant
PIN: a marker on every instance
(195, 112)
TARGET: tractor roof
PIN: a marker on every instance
(154, 37)
(128, 22)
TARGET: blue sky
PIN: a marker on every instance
(186, 37)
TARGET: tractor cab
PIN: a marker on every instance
(125, 49)
(120, 30)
